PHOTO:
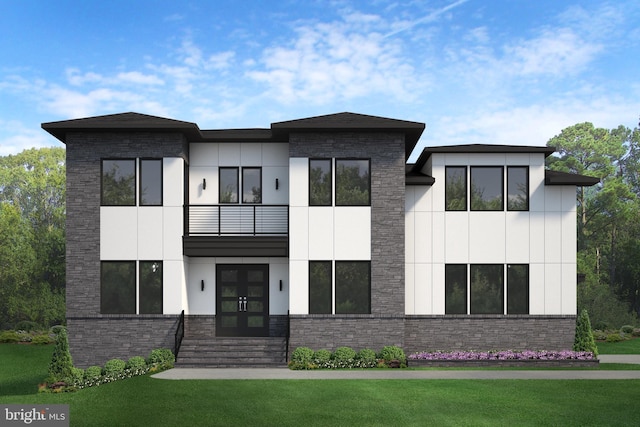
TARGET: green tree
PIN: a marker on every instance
(584, 335)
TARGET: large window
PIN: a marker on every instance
(486, 288)
(150, 182)
(455, 289)
(517, 289)
(118, 182)
(320, 182)
(118, 287)
(251, 185)
(320, 279)
(353, 183)
(455, 188)
(351, 293)
(487, 188)
(229, 185)
(517, 188)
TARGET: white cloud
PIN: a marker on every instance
(21, 137)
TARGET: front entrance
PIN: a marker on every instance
(242, 300)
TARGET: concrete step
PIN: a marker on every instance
(228, 352)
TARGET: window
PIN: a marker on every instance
(118, 287)
(487, 188)
(251, 185)
(517, 289)
(118, 182)
(320, 279)
(320, 182)
(352, 287)
(151, 182)
(455, 188)
(517, 188)
(352, 182)
(150, 287)
(455, 289)
(229, 185)
(487, 289)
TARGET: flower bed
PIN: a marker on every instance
(507, 358)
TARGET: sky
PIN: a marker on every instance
(511, 72)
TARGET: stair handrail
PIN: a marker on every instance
(179, 335)
(288, 334)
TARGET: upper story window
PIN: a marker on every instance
(230, 185)
(517, 188)
(455, 192)
(118, 182)
(352, 182)
(487, 188)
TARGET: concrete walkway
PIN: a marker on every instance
(404, 374)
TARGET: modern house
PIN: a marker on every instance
(313, 232)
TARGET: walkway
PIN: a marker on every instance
(404, 374)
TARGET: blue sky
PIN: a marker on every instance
(475, 71)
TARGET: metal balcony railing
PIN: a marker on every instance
(239, 220)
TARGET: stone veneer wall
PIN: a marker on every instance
(204, 326)
(488, 332)
(113, 336)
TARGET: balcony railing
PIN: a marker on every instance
(238, 220)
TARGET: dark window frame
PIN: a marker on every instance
(472, 292)
(243, 180)
(143, 301)
(527, 183)
(140, 178)
(220, 191)
(511, 304)
(104, 293)
(502, 188)
(446, 188)
(330, 161)
(135, 180)
(315, 306)
(447, 284)
(335, 181)
(338, 288)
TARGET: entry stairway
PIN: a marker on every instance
(232, 352)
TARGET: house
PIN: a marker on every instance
(313, 231)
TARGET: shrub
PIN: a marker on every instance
(636, 332)
(61, 363)
(27, 325)
(56, 329)
(344, 354)
(9, 336)
(77, 375)
(162, 357)
(599, 335)
(392, 353)
(366, 358)
(321, 357)
(114, 367)
(136, 362)
(41, 340)
(584, 336)
(626, 329)
(302, 355)
(92, 373)
(615, 338)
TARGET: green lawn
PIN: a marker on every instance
(148, 401)
(623, 347)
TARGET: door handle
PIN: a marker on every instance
(242, 303)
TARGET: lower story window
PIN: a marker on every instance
(349, 289)
(481, 288)
(118, 282)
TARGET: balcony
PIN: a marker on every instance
(236, 230)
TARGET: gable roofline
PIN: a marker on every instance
(478, 149)
(122, 121)
(353, 122)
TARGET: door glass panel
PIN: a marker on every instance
(255, 291)
(255, 306)
(229, 291)
(255, 321)
(229, 306)
(229, 275)
(255, 276)
(229, 321)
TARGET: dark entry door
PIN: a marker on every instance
(242, 300)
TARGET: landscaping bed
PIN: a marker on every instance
(506, 359)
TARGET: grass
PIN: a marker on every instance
(631, 346)
(148, 401)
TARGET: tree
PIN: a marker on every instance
(584, 335)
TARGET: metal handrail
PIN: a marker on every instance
(288, 334)
(237, 219)
(179, 335)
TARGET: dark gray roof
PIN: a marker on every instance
(413, 177)
(345, 122)
(118, 122)
(481, 148)
(564, 178)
